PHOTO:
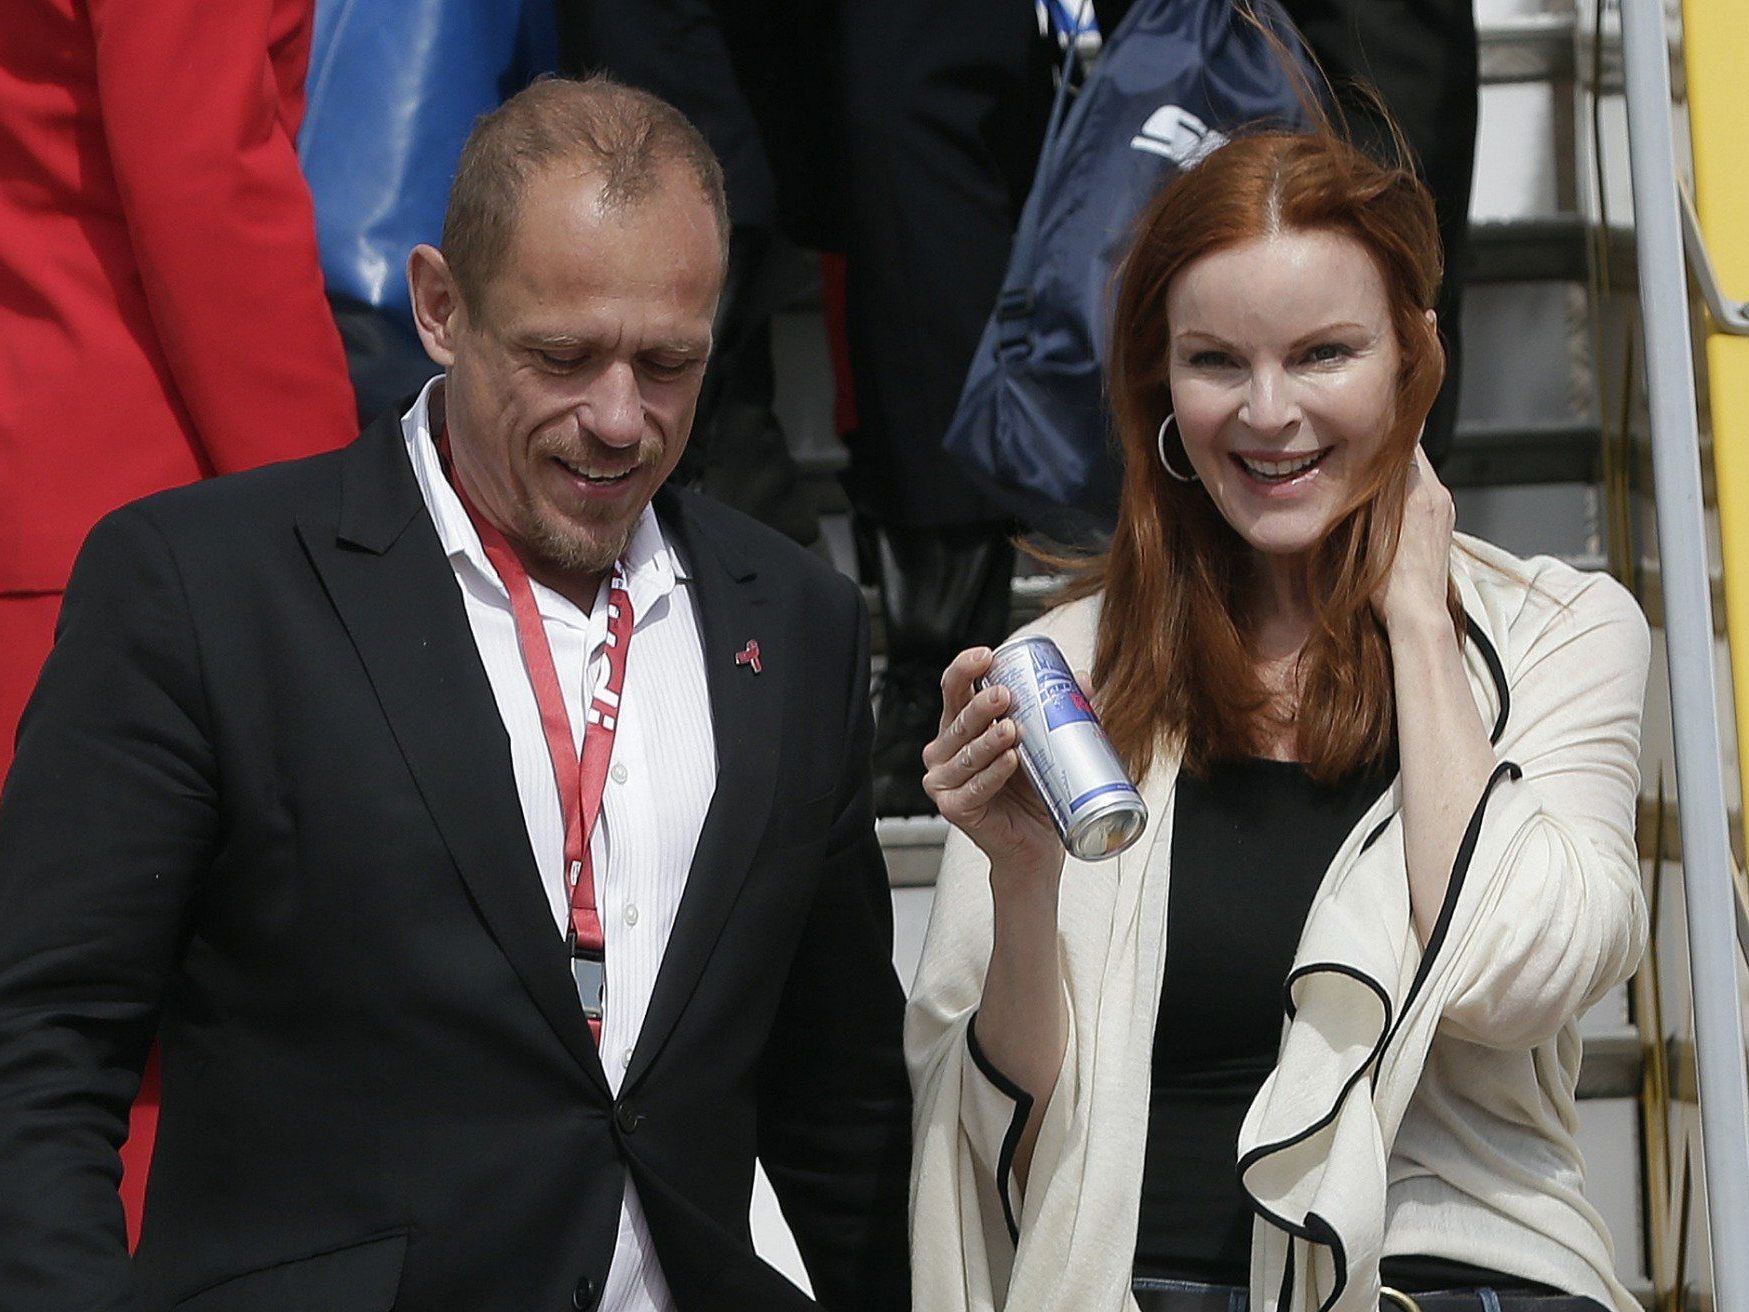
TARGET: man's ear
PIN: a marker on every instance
(437, 302)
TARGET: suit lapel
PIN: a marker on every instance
(396, 594)
(734, 607)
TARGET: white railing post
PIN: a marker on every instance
(1688, 628)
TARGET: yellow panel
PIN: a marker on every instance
(1716, 53)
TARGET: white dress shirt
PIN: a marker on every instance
(659, 785)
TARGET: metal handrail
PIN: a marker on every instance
(1742, 927)
(1728, 316)
(1707, 879)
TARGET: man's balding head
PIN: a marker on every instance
(630, 140)
(571, 309)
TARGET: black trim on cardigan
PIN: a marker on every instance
(1011, 1140)
(1330, 968)
(1263, 1150)
(1435, 941)
(1496, 671)
(1454, 886)
(1315, 1228)
(1325, 1233)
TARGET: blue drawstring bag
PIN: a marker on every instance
(1173, 78)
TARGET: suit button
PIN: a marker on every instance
(583, 1297)
(627, 1119)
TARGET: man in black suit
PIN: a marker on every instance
(293, 793)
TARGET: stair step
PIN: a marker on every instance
(819, 463)
(1613, 1059)
(1547, 248)
(912, 845)
(1526, 48)
(1560, 451)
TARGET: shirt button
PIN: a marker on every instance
(619, 773)
(625, 1058)
(631, 913)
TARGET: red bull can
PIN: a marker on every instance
(1095, 807)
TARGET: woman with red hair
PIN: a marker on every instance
(1312, 1038)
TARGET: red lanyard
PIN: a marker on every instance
(581, 779)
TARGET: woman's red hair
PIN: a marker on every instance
(1174, 663)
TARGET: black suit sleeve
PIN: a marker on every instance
(109, 815)
(835, 1102)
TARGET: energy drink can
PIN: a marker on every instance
(1095, 807)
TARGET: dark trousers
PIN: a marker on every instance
(945, 108)
(757, 77)
(904, 133)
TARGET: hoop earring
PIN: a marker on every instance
(1160, 445)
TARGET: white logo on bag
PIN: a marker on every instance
(1179, 135)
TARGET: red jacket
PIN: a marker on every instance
(161, 306)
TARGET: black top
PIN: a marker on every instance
(1250, 845)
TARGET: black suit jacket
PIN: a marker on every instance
(263, 803)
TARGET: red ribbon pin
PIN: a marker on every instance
(749, 655)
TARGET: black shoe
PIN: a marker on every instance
(907, 717)
(943, 589)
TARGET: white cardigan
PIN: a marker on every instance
(1422, 1102)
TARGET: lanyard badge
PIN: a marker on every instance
(580, 777)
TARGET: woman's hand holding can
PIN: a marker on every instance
(972, 774)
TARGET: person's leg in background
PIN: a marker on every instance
(945, 106)
(679, 50)
(1421, 55)
(383, 355)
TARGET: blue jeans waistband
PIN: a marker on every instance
(1154, 1295)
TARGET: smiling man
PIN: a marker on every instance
(484, 825)
(574, 339)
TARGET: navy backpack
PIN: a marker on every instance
(1031, 426)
